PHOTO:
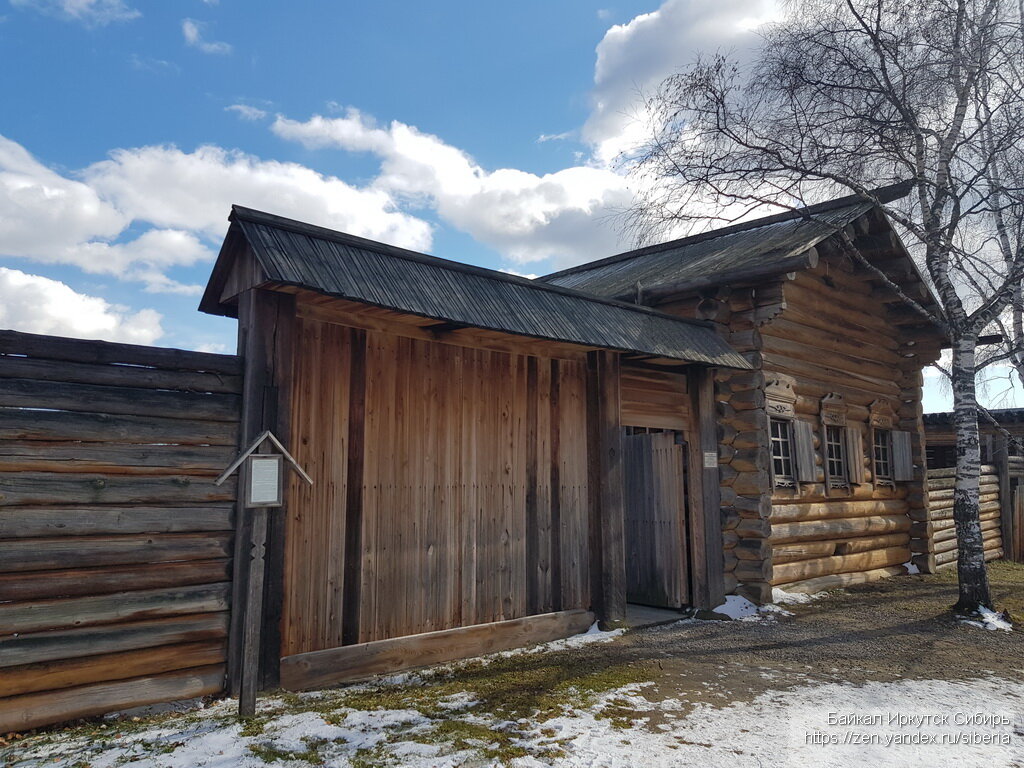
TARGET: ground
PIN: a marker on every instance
(772, 689)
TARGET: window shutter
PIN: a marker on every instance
(902, 459)
(855, 454)
(803, 444)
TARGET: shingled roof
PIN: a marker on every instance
(760, 248)
(344, 266)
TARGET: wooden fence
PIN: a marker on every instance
(115, 545)
(935, 537)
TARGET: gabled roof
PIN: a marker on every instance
(344, 266)
(755, 249)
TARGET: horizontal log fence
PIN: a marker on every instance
(115, 546)
(934, 534)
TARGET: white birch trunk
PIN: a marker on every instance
(974, 590)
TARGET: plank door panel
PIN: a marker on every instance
(657, 562)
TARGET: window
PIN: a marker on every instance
(835, 457)
(782, 454)
(883, 456)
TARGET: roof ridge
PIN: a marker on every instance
(886, 194)
(262, 217)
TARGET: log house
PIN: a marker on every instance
(471, 436)
(821, 448)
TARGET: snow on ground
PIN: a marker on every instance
(592, 635)
(989, 619)
(907, 723)
(781, 597)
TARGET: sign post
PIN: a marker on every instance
(263, 480)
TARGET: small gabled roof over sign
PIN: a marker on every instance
(291, 253)
(744, 252)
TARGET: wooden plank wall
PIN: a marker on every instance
(655, 399)
(934, 543)
(114, 543)
(457, 475)
(833, 337)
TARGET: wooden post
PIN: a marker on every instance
(1001, 459)
(352, 576)
(707, 564)
(605, 482)
(265, 338)
(253, 614)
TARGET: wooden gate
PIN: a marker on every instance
(115, 545)
(657, 560)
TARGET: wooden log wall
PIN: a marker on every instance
(115, 546)
(742, 434)
(835, 335)
(934, 542)
(832, 330)
(450, 487)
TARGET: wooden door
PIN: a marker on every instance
(657, 561)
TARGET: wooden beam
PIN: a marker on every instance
(706, 561)
(352, 578)
(354, 662)
(265, 340)
(605, 484)
(20, 713)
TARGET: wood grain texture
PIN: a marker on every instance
(88, 641)
(101, 581)
(114, 608)
(82, 520)
(52, 676)
(90, 552)
(320, 668)
(835, 337)
(472, 486)
(20, 713)
(114, 543)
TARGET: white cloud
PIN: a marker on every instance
(246, 112)
(604, 14)
(36, 304)
(178, 203)
(525, 216)
(53, 219)
(94, 13)
(193, 33)
(194, 191)
(555, 136)
(636, 56)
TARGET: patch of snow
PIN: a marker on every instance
(989, 619)
(910, 723)
(792, 728)
(592, 635)
(782, 597)
(911, 568)
(457, 701)
(736, 607)
(773, 610)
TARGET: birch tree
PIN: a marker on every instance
(849, 96)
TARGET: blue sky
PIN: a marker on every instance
(483, 132)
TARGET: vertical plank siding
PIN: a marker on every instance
(468, 468)
(115, 546)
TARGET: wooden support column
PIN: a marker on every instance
(1001, 458)
(265, 338)
(707, 565)
(605, 482)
